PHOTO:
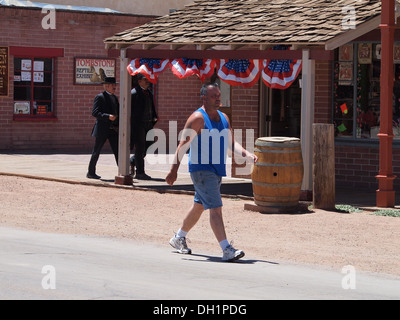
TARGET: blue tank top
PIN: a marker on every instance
(208, 150)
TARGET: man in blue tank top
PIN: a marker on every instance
(209, 135)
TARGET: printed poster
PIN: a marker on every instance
(365, 53)
(93, 71)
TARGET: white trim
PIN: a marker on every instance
(307, 117)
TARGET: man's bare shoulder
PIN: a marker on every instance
(227, 118)
(195, 121)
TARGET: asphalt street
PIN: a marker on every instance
(37, 265)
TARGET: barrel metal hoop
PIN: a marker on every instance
(263, 164)
(276, 198)
(276, 185)
(276, 151)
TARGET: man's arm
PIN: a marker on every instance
(192, 128)
(98, 109)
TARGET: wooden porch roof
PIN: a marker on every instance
(251, 24)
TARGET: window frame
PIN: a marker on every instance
(353, 139)
(32, 54)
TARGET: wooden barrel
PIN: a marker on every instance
(278, 174)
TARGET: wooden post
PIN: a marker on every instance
(323, 166)
(385, 195)
(123, 177)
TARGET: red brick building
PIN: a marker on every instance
(44, 109)
(67, 124)
(344, 45)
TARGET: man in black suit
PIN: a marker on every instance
(143, 119)
(105, 110)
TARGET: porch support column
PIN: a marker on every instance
(307, 120)
(123, 177)
(385, 195)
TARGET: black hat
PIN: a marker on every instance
(110, 80)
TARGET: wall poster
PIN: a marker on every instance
(93, 70)
(365, 53)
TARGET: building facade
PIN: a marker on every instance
(47, 101)
(51, 76)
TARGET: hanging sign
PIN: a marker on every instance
(4, 70)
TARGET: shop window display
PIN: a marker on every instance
(357, 91)
(33, 87)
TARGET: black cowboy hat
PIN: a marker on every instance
(110, 80)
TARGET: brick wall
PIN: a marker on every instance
(358, 166)
(80, 35)
(176, 100)
(245, 115)
(323, 92)
(245, 108)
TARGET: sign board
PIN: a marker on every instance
(22, 107)
(4, 70)
(91, 71)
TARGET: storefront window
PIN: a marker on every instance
(34, 87)
(357, 91)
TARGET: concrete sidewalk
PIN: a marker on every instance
(72, 168)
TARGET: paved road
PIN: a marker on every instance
(82, 267)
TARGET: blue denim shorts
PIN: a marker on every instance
(208, 189)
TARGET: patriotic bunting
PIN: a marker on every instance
(280, 74)
(244, 72)
(182, 68)
(277, 74)
(150, 68)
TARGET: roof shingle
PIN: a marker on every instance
(250, 22)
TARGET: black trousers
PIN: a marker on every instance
(112, 137)
(139, 145)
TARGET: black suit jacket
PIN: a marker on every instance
(138, 105)
(102, 108)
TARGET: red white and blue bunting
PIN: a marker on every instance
(277, 74)
(243, 72)
(150, 68)
(203, 68)
(280, 74)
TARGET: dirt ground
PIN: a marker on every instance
(331, 239)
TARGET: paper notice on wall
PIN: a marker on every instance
(38, 66)
(26, 76)
(38, 77)
(26, 65)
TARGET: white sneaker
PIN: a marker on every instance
(231, 254)
(180, 245)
